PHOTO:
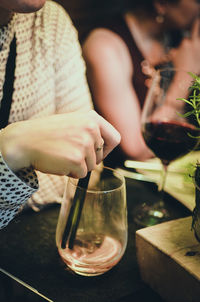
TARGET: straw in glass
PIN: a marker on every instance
(75, 213)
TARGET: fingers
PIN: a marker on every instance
(89, 158)
(92, 144)
(109, 134)
(195, 29)
(99, 140)
(99, 148)
(89, 147)
(67, 160)
(78, 171)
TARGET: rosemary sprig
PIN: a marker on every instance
(194, 99)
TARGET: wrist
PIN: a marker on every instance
(11, 151)
(1, 139)
(3, 149)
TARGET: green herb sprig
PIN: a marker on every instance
(194, 99)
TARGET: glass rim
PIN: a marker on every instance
(119, 176)
(159, 70)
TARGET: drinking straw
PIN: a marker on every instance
(75, 212)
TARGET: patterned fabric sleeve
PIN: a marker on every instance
(15, 189)
(71, 89)
(72, 92)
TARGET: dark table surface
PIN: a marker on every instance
(28, 251)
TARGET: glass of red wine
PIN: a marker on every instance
(167, 131)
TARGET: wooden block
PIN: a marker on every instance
(169, 259)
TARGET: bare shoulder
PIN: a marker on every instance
(104, 37)
(105, 44)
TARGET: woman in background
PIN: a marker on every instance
(125, 51)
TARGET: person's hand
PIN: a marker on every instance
(63, 144)
(187, 55)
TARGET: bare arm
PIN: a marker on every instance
(186, 59)
(109, 74)
(187, 55)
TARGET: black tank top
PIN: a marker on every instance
(118, 25)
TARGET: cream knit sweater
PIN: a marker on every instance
(49, 78)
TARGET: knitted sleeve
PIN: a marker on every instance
(71, 89)
(15, 189)
(72, 92)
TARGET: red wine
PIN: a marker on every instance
(170, 140)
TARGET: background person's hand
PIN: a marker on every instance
(63, 144)
(187, 55)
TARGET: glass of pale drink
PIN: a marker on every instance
(100, 238)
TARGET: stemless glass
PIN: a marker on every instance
(101, 235)
(167, 131)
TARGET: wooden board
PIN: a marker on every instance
(169, 259)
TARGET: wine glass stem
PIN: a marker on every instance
(163, 180)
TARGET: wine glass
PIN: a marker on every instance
(101, 236)
(166, 131)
